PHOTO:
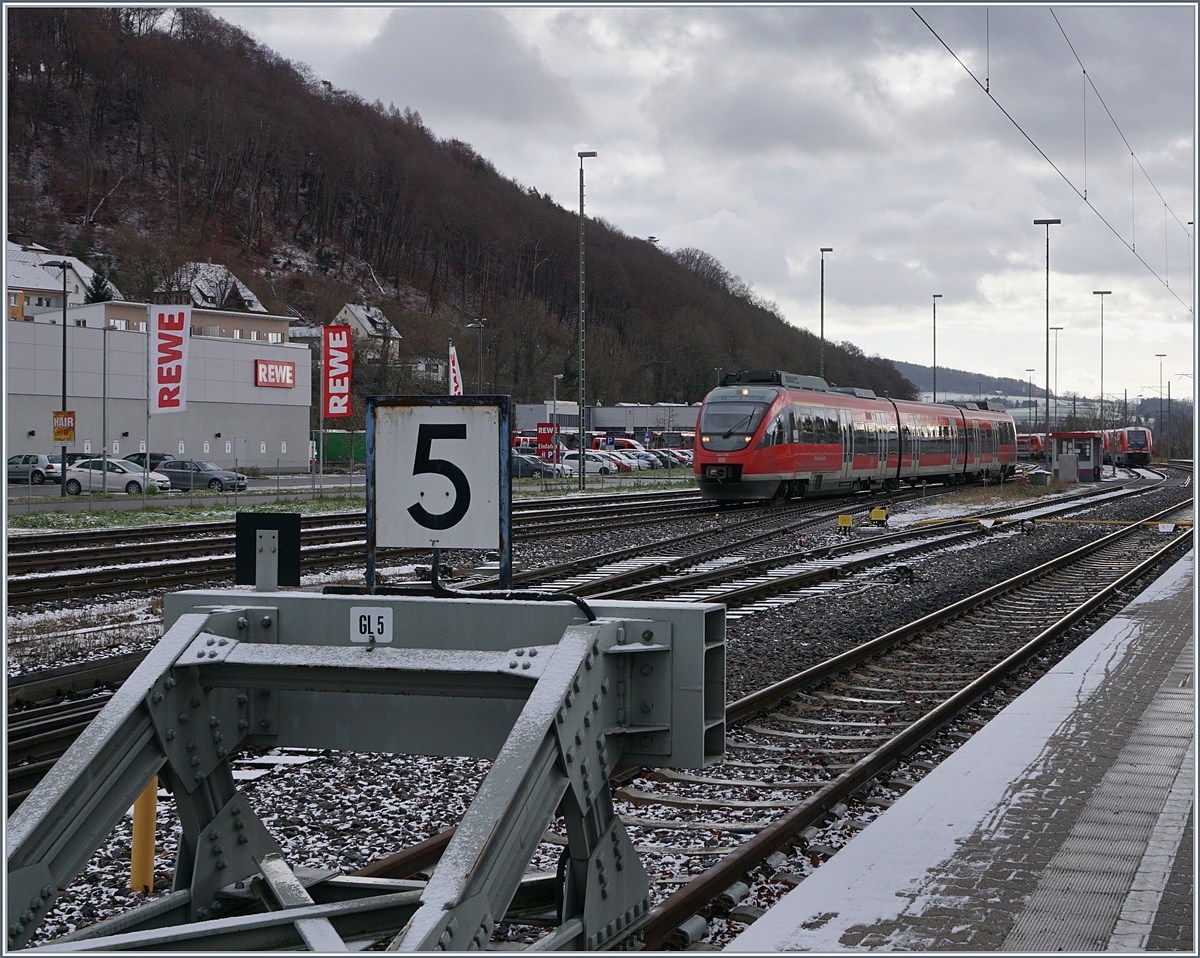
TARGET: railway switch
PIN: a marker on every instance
(557, 702)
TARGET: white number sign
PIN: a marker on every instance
(437, 476)
(370, 623)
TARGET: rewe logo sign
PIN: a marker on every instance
(455, 373)
(170, 328)
(335, 401)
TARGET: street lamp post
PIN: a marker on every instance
(1159, 424)
(1047, 224)
(582, 336)
(936, 297)
(1031, 371)
(717, 370)
(1056, 330)
(554, 417)
(1101, 293)
(479, 366)
(824, 250)
(62, 463)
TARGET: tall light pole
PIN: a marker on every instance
(479, 365)
(1047, 224)
(1031, 371)
(582, 337)
(717, 370)
(1056, 330)
(1101, 293)
(824, 250)
(936, 297)
(554, 418)
(1159, 424)
(62, 463)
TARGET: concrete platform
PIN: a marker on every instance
(1065, 824)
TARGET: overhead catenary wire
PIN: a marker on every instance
(1115, 124)
(1066, 179)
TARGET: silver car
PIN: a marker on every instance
(89, 475)
(33, 469)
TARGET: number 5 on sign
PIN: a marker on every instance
(436, 473)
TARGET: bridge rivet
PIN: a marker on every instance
(647, 635)
(512, 664)
(647, 706)
(200, 654)
(170, 734)
(222, 752)
(170, 683)
(265, 723)
(223, 642)
(266, 621)
(242, 699)
(222, 864)
(242, 839)
(47, 891)
(217, 736)
(532, 653)
(236, 810)
(191, 745)
(645, 740)
(156, 697)
(524, 665)
(15, 929)
(211, 641)
(199, 776)
(195, 701)
(212, 654)
(242, 623)
(183, 717)
(202, 912)
(195, 760)
(36, 904)
(519, 652)
(26, 916)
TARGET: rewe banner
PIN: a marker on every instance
(335, 391)
(170, 333)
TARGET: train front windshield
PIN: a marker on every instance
(1137, 439)
(731, 416)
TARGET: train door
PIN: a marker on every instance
(975, 440)
(845, 428)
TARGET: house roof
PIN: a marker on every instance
(371, 318)
(213, 286)
(21, 275)
(34, 255)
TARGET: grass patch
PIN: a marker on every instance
(1012, 493)
(162, 515)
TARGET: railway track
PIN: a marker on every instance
(797, 746)
(799, 749)
(205, 551)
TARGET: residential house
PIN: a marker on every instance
(365, 321)
(208, 286)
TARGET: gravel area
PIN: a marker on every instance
(368, 806)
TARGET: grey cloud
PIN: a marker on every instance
(460, 64)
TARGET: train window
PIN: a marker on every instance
(806, 428)
(792, 427)
(818, 429)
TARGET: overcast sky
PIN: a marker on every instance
(761, 134)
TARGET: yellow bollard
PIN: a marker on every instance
(145, 818)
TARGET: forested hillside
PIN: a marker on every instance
(141, 139)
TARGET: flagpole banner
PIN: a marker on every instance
(170, 334)
(455, 373)
(337, 366)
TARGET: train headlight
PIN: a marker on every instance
(747, 438)
(704, 438)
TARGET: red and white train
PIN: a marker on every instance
(1131, 446)
(765, 434)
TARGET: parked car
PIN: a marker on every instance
(525, 467)
(622, 464)
(34, 469)
(594, 463)
(189, 474)
(155, 458)
(123, 476)
(647, 460)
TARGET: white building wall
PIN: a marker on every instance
(222, 397)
